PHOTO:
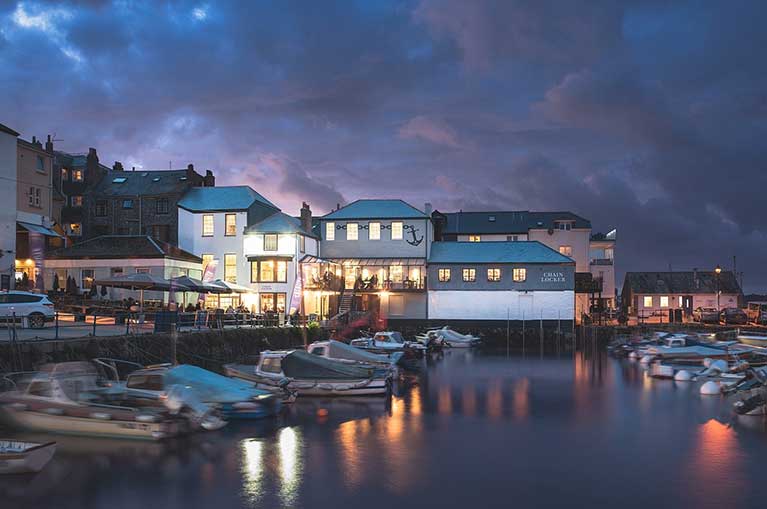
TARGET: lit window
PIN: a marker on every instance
(207, 225)
(254, 272)
(206, 259)
(475, 238)
(648, 301)
(267, 272)
(75, 229)
(282, 272)
(396, 230)
(664, 301)
(330, 231)
(493, 274)
(77, 201)
(374, 231)
(443, 275)
(230, 229)
(230, 268)
(352, 231)
(86, 279)
(127, 204)
(77, 175)
(469, 275)
(566, 250)
(519, 275)
(270, 242)
(395, 273)
(680, 301)
(64, 175)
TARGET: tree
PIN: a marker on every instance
(103, 291)
(55, 282)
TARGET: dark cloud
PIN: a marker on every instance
(642, 115)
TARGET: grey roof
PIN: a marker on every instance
(680, 282)
(376, 209)
(8, 130)
(213, 199)
(145, 183)
(279, 223)
(495, 252)
(122, 246)
(501, 222)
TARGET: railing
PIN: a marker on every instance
(601, 261)
(388, 285)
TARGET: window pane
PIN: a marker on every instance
(396, 230)
(444, 275)
(267, 271)
(330, 231)
(566, 250)
(374, 231)
(493, 274)
(270, 242)
(475, 238)
(395, 273)
(352, 231)
(648, 301)
(469, 275)
(231, 225)
(519, 275)
(207, 225)
(230, 268)
(254, 272)
(282, 271)
(664, 301)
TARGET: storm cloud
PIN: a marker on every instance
(644, 116)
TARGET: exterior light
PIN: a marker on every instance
(718, 270)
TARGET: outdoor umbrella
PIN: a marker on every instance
(195, 285)
(142, 281)
(231, 287)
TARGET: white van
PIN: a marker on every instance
(34, 306)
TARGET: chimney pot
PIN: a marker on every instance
(306, 217)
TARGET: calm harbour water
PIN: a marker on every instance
(472, 430)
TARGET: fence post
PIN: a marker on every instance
(173, 341)
(94, 324)
(57, 324)
(523, 333)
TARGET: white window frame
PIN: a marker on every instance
(645, 300)
(352, 231)
(443, 275)
(330, 231)
(469, 275)
(519, 274)
(226, 225)
(276, 238)
(374, 231)
(397, 230)
(566, 250)
(205, 231)
(495, 278)
(664, 301)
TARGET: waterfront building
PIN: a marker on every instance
(119, 255)
(211, 224)
(499, 281)
(8, 190)
(653, 294)
(372, 261)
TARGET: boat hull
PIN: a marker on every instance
(29, 461)
(368, 387)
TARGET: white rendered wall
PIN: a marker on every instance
(498, 305)
(8, 187)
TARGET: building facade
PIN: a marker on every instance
(75, 177)
(8, 195)
(505, 280)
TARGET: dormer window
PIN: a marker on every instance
(563, 225)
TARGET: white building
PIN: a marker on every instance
(8, 190)
(211, 224)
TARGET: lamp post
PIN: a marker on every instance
(717, 272)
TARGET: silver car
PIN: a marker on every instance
(35, 307)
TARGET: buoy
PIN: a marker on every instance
(647, 359)
(683, 376)
(710, 388)
(322, 412)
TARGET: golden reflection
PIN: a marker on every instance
(444, 401)
(289, 442)
(469, 400)
(495, 400)
(522, 399)
(396, 423)
(253, 467)
(415, 402)
(350, 436)
(716, 464)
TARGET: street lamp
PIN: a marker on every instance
(717, 271)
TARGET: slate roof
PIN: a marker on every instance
(220, 199)
(122, 246)
(143, 183)
(376, 209)
(680, 282)
(279, 223)
(495, 252)
(501, 222)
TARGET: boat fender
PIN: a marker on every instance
(53, 411)
(683, 376)
(101, 415)
(710, 388)
(647, 359)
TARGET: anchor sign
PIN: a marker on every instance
(415, 240)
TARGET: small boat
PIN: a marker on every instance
(753, 340)
(449, 337)
(312, 375)
(338, 351)
(24, 457)
(387, 342)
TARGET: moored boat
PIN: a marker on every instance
(18, 457)
(338, 351)
(449, 337)
(386, 342)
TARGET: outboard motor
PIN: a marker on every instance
(184, 401)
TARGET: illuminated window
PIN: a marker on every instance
(469, 275)
(77, 201)
(493, 274)
(206, 259)
(566, 250)
(352, 231)
(519, 275)
(395, 273)
(64, 175)
(267, 272)
(443, 275)
(648, 301)
(75, 229)
(396, 230)
(230, 268)
(475, 238)
(86, 279)
(282, 272)
(77, 175)
(207, 225)
(254, 272)
(374, 231)
(664, 301)
(230, 225)
(330, 231)
(270, 242)
(680, 301)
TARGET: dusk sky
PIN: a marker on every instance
(642, 116)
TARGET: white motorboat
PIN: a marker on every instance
(312, 375)
(449, 337)
(338, 351)
(24, 457)
(387, 342)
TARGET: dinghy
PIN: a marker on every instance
(24, 457)
(449, 337)
(387, 342)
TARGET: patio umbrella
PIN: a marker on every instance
(231, 287)
(196, 285)
(142, 281)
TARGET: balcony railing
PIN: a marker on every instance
(601, 261)
(406, 285)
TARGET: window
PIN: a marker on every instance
(77, 175)
(519, 275)
(563, 225)
(475, 238)
(64, 175)
(207, 225)
(271, 271)
(230, 225)
(142, 270)
(681, 300)
(352, 231)
(396, 230)
(162, 205)
(115, 272)
(145, 382)
(75, 229)
(254, 272)
(302, 243)
(119, 180)
(664, 301)
(395, 273)
(34, 196)
(512, 238)
(443, 275)
(77, 201)
(127, 204)
(267, 272)
(270, 242)
(493, 274)
(469, 275)
(330, 231)
(40, 166)
(86, 279)
(374, 231)
(101, 208)
(206, 259)
(566, 250)
(282, 272)
(647, 301)
(230, 268)
(272, 365)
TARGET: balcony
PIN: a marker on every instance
(406, 285)
(601, 261)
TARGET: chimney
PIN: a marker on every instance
(132, 168)
(118, 166)
(34, 140)
(209, 180)
(338, 206)
(427, 208)
(49, 144)
(190, 173)
(306, 217)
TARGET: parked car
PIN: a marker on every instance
(34, 306)
(757, 312)
(734, 316)
(705, 315)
